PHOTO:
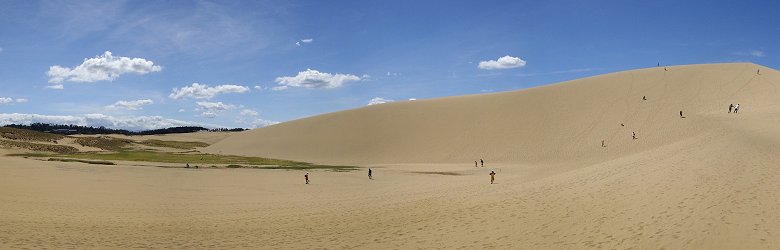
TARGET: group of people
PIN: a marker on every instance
(734, 108)
(481, 162)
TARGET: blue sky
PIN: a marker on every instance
(150, 64)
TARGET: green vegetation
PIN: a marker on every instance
(82, 161)
(104, 142)
(27, 135)
(199, 159)
(174, 144)
(61, 149)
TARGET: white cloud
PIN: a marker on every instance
(753, 53)
(249, 112)
(412, 99)
(210, 109)
(214, 106)
(104, 67)
(6, 100)
(250, 117)
(313, 79)
(259, 123)
(209, 114)
(505, 62)
(56, 86)
(182, 110)
(378, 100)
(307, 40)
(260, 88)
(130, 105)
(134, 123)
(757, 53)
(203, 91)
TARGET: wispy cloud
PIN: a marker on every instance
(203, 91)
(56, 86)
(130, 105)
(104, 67)
(307, 40)
(252, 118)
(505, 62)
(378, 100)
(9, 100)
(211, 109)
(313, 79)
(753, 53)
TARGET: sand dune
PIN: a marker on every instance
(708, 181)
(560, 122)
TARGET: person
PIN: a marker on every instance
(476, 165)
(736, 108)
(306, 176)
(681, 116)
(188, 166)
(644, 98)
(633, 135)
(492, 176)
(369, 174)
(481, 162)
(602, 144)
(731, 107)
(758, 72)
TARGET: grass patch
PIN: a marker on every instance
(174, 144)
(61, 149)
(82, 161)
(200, 159)
(27, 135)
(105, 143)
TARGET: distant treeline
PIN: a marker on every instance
(84, 130)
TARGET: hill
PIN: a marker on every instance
(552, 124)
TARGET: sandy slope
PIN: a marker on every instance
(561, 122)
(709, 181)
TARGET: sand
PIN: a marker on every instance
(708, 181)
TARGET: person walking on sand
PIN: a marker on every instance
(736, 108)
(644, 98)
(476, 165)
(492, 176)
(731, 107)
(633, 135)
(602, 144)
(681, 116)
(481, 162)
(369, 174)
(306, 176)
